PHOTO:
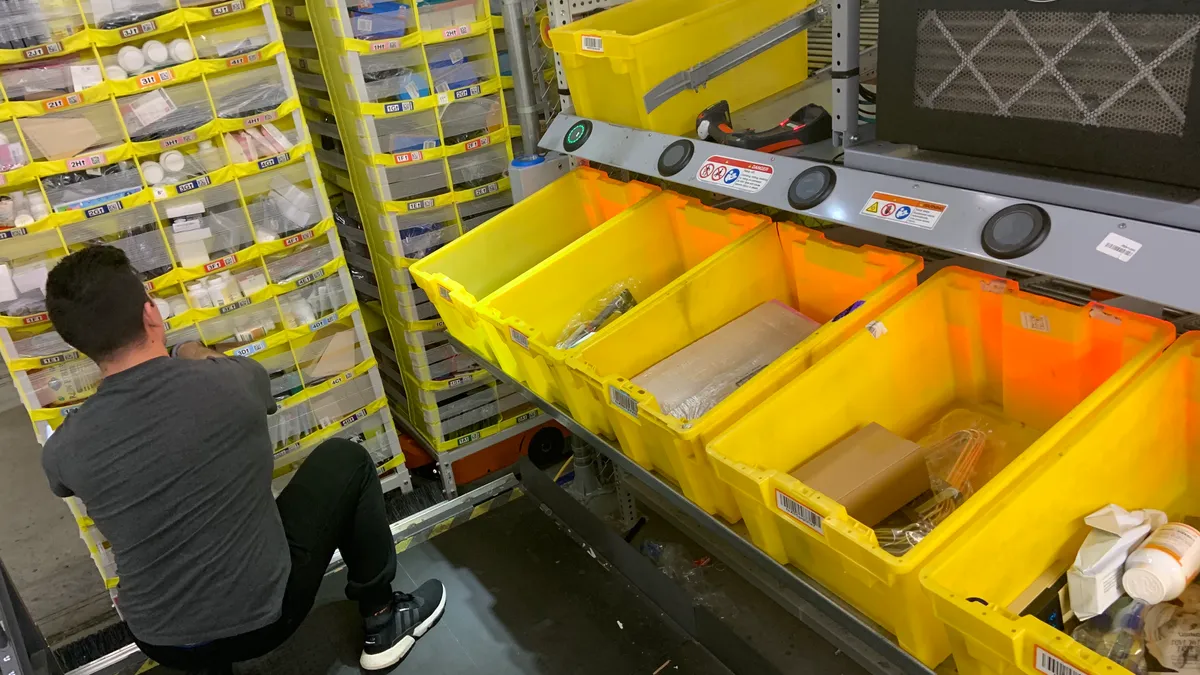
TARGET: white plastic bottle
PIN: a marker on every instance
(1163, 566)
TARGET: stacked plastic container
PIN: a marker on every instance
(406, 99)
(174, 133)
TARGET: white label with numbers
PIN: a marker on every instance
(624, 401)
(1050, 664)
(1121, 248)
(800, 512)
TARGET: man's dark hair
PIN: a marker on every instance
(95, 301)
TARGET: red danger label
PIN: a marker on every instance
(735, 174)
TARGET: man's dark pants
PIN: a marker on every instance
(334, 501)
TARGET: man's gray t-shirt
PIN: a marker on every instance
(173, 460)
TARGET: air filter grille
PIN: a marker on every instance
(1125, 71)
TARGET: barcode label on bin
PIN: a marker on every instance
(1047, 663)
(593, 43)
(622, 400)
(1037, 322)
(518, 337)
(1121, 248)
(800, 512)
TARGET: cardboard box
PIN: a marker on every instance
(872, 472)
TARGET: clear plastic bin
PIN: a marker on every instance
(390, 76)
(108, 15)
(962, 346)
(12, 153)
(470, 118)
(473, 169)
(166, 112)
(379, 20)
(419, 235)
(449, 76)
(282, 370)
(215, 227)
(291, 265)
(122, 62)
(461, 275)
(223, 40)
(28, 24)
(64, 384)
(84, 189)
(29, 258)
(134, 231)
(446, 54)
(51, 78)
(314, 302)
(282, 201)
(263, 141)
(73, 132)
(410, 181)
(439, 14)
(332, 351)
(415, 131)
(241, 326)
(478, 211)
(246, 93)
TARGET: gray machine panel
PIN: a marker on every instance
(1164, 270)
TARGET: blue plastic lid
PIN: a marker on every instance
(526, 161)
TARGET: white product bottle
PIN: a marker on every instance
(199, 295)
(155, 52)
(209, 156)
(232, 288)
(217, 292)
(1163, 566)
(153, 172)
(131, 59)
(181, 50)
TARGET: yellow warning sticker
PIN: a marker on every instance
(873, 208)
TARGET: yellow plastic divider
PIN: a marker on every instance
(67, 45)
(841, 287)
(1032, 367)
(199, 15)
(1140, 450)
(163, 23)
(56, 104)
(461, 274)
(648, 246)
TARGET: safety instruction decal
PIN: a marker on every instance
(903, 210)
(735, 174)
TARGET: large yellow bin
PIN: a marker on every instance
(650, 244)
(1037, 367)
(1140, 450)
(612, 59)
(463, 273)
(788, 263)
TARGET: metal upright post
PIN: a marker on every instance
(845, 72)
(518, 52)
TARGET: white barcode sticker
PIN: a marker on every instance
(623, 401)
(456, 56)
(593, 43)
(800, 512)
(1121, 248)
(877, 329)
(412, 91)
(519, 337)
(1038, 322)
(1047, 663)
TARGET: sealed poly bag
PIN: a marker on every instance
(695, 379)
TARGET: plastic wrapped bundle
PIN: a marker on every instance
(696, 378)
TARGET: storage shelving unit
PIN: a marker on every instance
(177, 136)
(406, 107)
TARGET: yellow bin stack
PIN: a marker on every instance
(1034, 368)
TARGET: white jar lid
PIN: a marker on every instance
(153, 172)
(156, 52)
(172, 160)
(1141, 583)
(131, 58)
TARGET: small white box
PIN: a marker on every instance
(185, 209)
(192, 253)
(200, 234)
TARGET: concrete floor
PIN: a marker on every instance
(39, 542)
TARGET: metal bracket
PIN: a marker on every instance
(696, 76)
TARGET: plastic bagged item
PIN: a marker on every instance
(374, 21)
(258, 97)
(156, 115)
(47, 79)
(617, 300)
(1118, 635)
(953, 465)
(674, 562)
(66, 383)
(110, 15)
(695, 379)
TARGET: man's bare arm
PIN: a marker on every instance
(194, 350)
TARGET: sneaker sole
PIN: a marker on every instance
(399, 650)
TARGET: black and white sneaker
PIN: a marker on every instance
(392, 634)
